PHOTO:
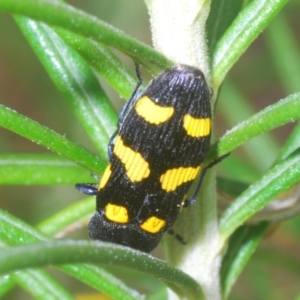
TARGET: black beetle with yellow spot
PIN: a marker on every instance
(162, 138)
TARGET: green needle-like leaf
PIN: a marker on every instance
(21, 233)
(102, 59)
(41, 135)
(241, 246)
(75, 80)
(280, 178)
(68, 17)
(36, 169)
(257, 147)
(67, 251)
(74, 214)
(69, 43)
(104, 253)
(38, 283)
(244, 30)
(222, 14)
(284, 111)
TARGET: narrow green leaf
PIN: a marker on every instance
(15, 232)
(257, 147)
(70, 18)
(28, 168)
(38, 283)
(244, 30)
(284, 111)
(280, 178)
(102, 59)
(75, 80)
(242, 245)
(41, 285)
(101, 280)
(67, 251)
(41, 135)
(21, 232)
(221, 15)
(70, 217)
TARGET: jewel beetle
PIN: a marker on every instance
(154, 156)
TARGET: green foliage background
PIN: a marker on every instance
(267, 72)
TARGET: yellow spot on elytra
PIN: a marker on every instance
(116, 213)
(153, 224)
(152, 112)
(196, 127)
(173, 178)
(137, 168)
(105, 178)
